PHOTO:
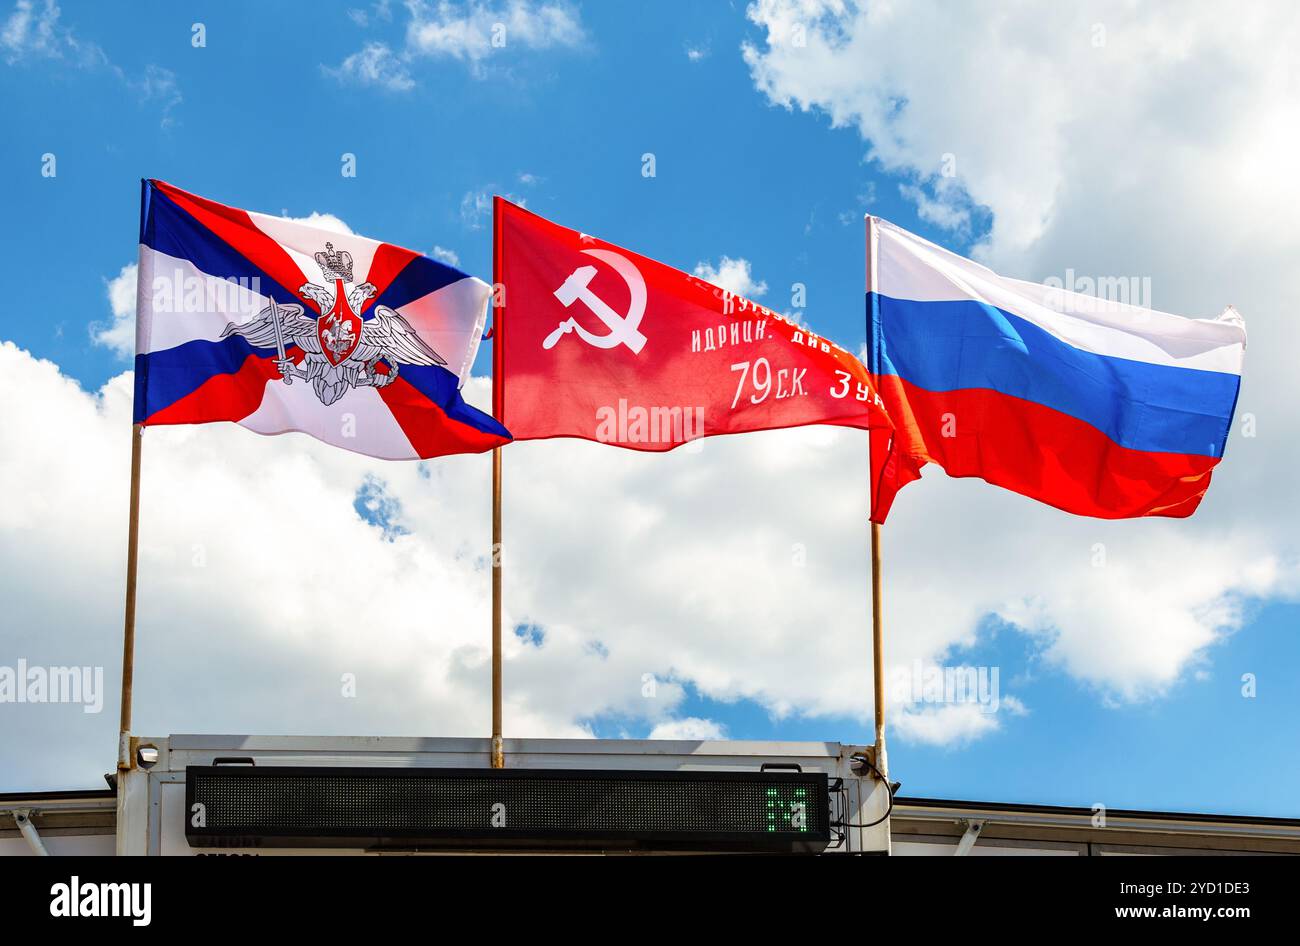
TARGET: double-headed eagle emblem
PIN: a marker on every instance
(340, 349)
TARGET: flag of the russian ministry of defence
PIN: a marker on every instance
(279, 327)
(1101, 407)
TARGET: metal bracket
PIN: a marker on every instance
(23, 818)
(126, 744)
(973, 829)
(867, 763)
(861, 767)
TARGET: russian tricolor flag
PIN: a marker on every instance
(1100, 408)
(280, 327)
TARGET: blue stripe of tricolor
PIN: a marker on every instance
(960, 344)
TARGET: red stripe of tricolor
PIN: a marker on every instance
(1033, 450)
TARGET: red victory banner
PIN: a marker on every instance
(596, 342)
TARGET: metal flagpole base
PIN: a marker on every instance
(498, 753)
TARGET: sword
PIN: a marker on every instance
(279, 335)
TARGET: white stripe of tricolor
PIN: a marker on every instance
(909, 267)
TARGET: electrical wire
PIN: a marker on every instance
(889, 788)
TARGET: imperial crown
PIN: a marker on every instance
(335, 264)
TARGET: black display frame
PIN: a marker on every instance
(615, 788)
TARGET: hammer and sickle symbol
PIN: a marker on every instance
(622, 330)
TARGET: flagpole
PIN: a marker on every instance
(878, 646)
(877, 591)
(498, 305)
(498, 750)
(128, 632)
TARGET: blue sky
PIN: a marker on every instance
(261, 116)
(578, 120)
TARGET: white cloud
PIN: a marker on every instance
(679, 565)
(865, 199)
(450, 257)
(33, 32)
(697, 53)
(734, 275)
(476, 209)
(159, 85)
(951, 724)
(472, 32)
(1055, 117)
(322, 222)
(239, 628)
(1103, 624)
(943, 204)
(1119, 159)
(745, 586)
(375, 64)
(381, 11)
(690, 727)
(118, 333)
